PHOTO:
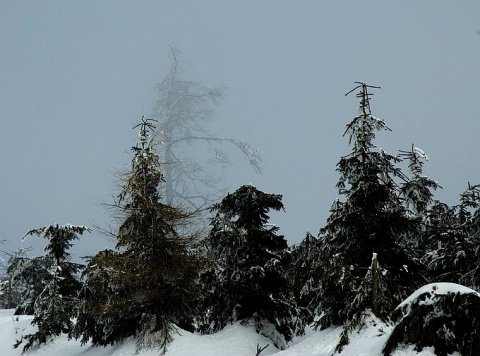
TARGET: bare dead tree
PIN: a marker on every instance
(183, 109)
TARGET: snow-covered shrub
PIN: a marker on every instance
(445, 316)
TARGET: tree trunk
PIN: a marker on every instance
(168, 175)
(375, 284)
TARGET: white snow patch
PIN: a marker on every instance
(234, 340)
(420, 153)
(437, 288)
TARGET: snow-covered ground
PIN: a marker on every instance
(234, 340)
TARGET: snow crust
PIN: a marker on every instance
(437, 288)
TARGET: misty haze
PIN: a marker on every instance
(239, 178)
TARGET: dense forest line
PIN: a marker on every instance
(386, 237)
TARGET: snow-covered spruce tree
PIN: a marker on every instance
(247, 280)
(56, 304)
(454, 240)
(371, 219)
(153, 271)
(12, 283)
(303, 262)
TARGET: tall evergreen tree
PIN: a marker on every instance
(55, 306)
(247, 280)
(370, 220)
(153, 272)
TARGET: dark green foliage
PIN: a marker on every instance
(305, 287)
(448, 322)
(55, 306)
(453, 240)
(247, 280)
(439, 217)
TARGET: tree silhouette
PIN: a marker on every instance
(248, 280)
(182, 111)
(152, 272)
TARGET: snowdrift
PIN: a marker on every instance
(238, 340)
(445, 316)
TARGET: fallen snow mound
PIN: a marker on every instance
(442, 316)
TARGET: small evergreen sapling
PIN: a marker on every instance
(55, 306)
(18, 279)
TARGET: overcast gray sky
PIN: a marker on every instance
(75, 76)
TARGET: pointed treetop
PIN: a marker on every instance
(145, 126)
(56, 229)
(364, 96)
(416, 157)
(362, 127)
